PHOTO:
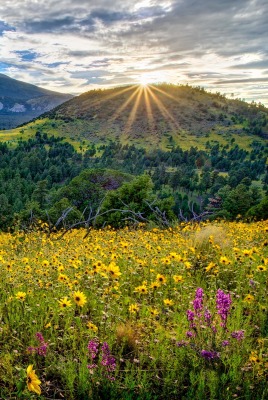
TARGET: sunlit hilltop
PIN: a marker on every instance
(155, 114)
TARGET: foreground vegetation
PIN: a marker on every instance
(135, 314)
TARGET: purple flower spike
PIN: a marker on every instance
(93, 346)
(207, 317)
(239, 335)
(223, 302)
(190, 315)
(198, 301)
(209, 355)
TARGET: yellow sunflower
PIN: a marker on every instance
(21, 296)
(32, 380)
(79, 298)
(161, 278)
(249, 298)
(168, 302)
(64, 302)
(92, 327)
(134, 308)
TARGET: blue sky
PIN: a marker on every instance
(75, 46)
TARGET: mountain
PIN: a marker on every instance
(20, 102)
(157, 115)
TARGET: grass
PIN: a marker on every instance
(82, 134)
(126, 293)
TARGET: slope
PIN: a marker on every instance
(20, 102)
(157, 115)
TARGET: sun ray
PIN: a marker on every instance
(111, 96)
(124, 105)
(148, 106)
(164, 93)
(171, 120)
(133, 113)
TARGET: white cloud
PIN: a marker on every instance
(81, 45)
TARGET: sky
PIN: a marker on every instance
(73, 46)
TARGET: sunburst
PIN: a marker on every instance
(145, 94)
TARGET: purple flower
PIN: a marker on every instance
(39, 337)
(209, 355)
(214, 329)
(190, 315)
(93, 347)
(108, 361)
(207, 316)
(239, 335)
(41, 350)
(190, 334)
(223, 302)
(182, 343)
(92, 366)
(225, 343)
(198, 301)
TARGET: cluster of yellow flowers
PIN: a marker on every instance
(127, 274)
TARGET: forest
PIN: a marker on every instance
(44, 176)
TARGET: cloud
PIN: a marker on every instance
(208, 43)
(252, 65)
(5, 27)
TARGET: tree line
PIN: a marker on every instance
(43, 177)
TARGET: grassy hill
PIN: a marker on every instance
(20, 102)
(158, 116)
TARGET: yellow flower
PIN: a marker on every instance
(261, 268)
(141, 289)
(249, 298)
(92, 327)
(155, 285)
(210, 266)
(32, 380)
(113, 271)
(79, 298)
(178, 278)
(187, 265)
(224, 260)
(168, 302)
(154, 312)
(63, 278)
(64, 302)
(161, 278)
(133, 308)
(254, 358)
(21, 296)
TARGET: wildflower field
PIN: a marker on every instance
(135, 314)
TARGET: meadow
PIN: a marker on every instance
(135, 313)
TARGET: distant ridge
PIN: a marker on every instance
(20, 102)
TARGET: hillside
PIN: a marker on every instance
(157, 115)
(20, 102)
(214, 164)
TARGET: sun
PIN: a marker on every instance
(146, 79)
